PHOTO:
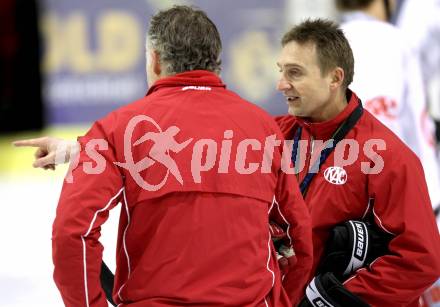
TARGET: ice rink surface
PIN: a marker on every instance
(28, 205)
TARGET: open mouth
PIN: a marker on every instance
(292, 98)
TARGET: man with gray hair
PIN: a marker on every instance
(194, 228)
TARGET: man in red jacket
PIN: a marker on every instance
(369, 172)
(184, 162)
(374, 174)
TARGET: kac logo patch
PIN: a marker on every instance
(335, 175)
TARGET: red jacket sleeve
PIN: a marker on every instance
(95, 187)
(402, 208)
(296, 215)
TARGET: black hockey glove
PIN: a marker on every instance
(353, 245)
(326, 291)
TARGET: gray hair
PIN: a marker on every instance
(185, 39)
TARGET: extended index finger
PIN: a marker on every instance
(37, 142)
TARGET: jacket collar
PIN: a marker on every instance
(324, 130)
(188, 78)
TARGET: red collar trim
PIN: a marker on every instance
(194, 77)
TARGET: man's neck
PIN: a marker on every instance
(335, 105)
(377, 10)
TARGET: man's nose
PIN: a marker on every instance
(283, 85)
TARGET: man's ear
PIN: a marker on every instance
(155, 58)
(337, 78)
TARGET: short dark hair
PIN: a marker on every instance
(332, 47)
(349, 5)
(186, 39)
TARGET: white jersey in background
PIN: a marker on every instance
(420, 23)
(389, 82)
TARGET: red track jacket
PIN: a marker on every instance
(401, 207)
(200, 239)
